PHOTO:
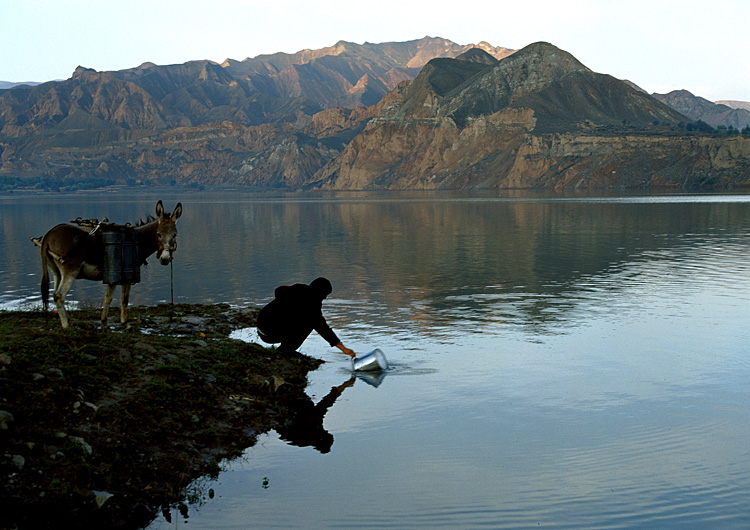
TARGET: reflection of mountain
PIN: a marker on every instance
(433, 261)
(419, 259)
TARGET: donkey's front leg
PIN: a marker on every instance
(124, 300)
(107, 301)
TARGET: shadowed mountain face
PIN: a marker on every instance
(562, 92)
(473, 117)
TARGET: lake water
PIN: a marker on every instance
(556, 362)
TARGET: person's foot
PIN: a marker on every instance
(265, 338)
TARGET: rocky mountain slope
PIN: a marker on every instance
(347, 74)
(265, 89)
(537, 119)
(473, 117)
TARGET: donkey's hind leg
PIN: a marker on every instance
(56, 278)
(61, 290)
(124, 300)
(110, 291)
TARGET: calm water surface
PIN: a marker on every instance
(557, 362)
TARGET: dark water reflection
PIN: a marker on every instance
(564, 362)
(534, 259)
(305, 427)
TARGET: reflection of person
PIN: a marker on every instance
(294, 313)
(305, 427)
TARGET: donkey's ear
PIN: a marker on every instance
(159, 210)
(177, 211)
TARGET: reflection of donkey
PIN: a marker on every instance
(74, 252)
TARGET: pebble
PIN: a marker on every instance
(101, 497)
(80, 441)
(6, 418)
(146, 347)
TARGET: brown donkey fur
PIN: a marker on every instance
(75, 252)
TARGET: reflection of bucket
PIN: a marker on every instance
(373, 378)
(375, 360)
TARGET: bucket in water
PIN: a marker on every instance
(370, 362)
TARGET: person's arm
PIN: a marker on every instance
(325, 331)
(345, 350)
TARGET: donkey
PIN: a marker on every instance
(73, 252)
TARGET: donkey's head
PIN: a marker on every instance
(166, 232)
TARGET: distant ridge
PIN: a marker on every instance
(716, 114)
(348, 74)
(735, 104)
(10, 84)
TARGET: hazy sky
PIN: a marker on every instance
(661, 45)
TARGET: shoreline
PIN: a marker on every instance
(107, 428)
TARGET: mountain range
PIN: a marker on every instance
(537, 119)
(264, 89)
(420, 114)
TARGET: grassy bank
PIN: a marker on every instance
(101, 429)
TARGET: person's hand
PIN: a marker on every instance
(345, 350)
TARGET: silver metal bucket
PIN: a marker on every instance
(370, 362)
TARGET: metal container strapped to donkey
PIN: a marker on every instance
(121, 261)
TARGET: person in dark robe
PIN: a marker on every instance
(294, 313)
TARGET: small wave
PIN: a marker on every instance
(27, 303)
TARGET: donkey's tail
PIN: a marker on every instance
(45, 275)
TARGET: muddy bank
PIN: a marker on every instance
(103, 429)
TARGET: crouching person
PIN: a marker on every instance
(294, 313)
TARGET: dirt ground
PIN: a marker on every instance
(103, 429)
